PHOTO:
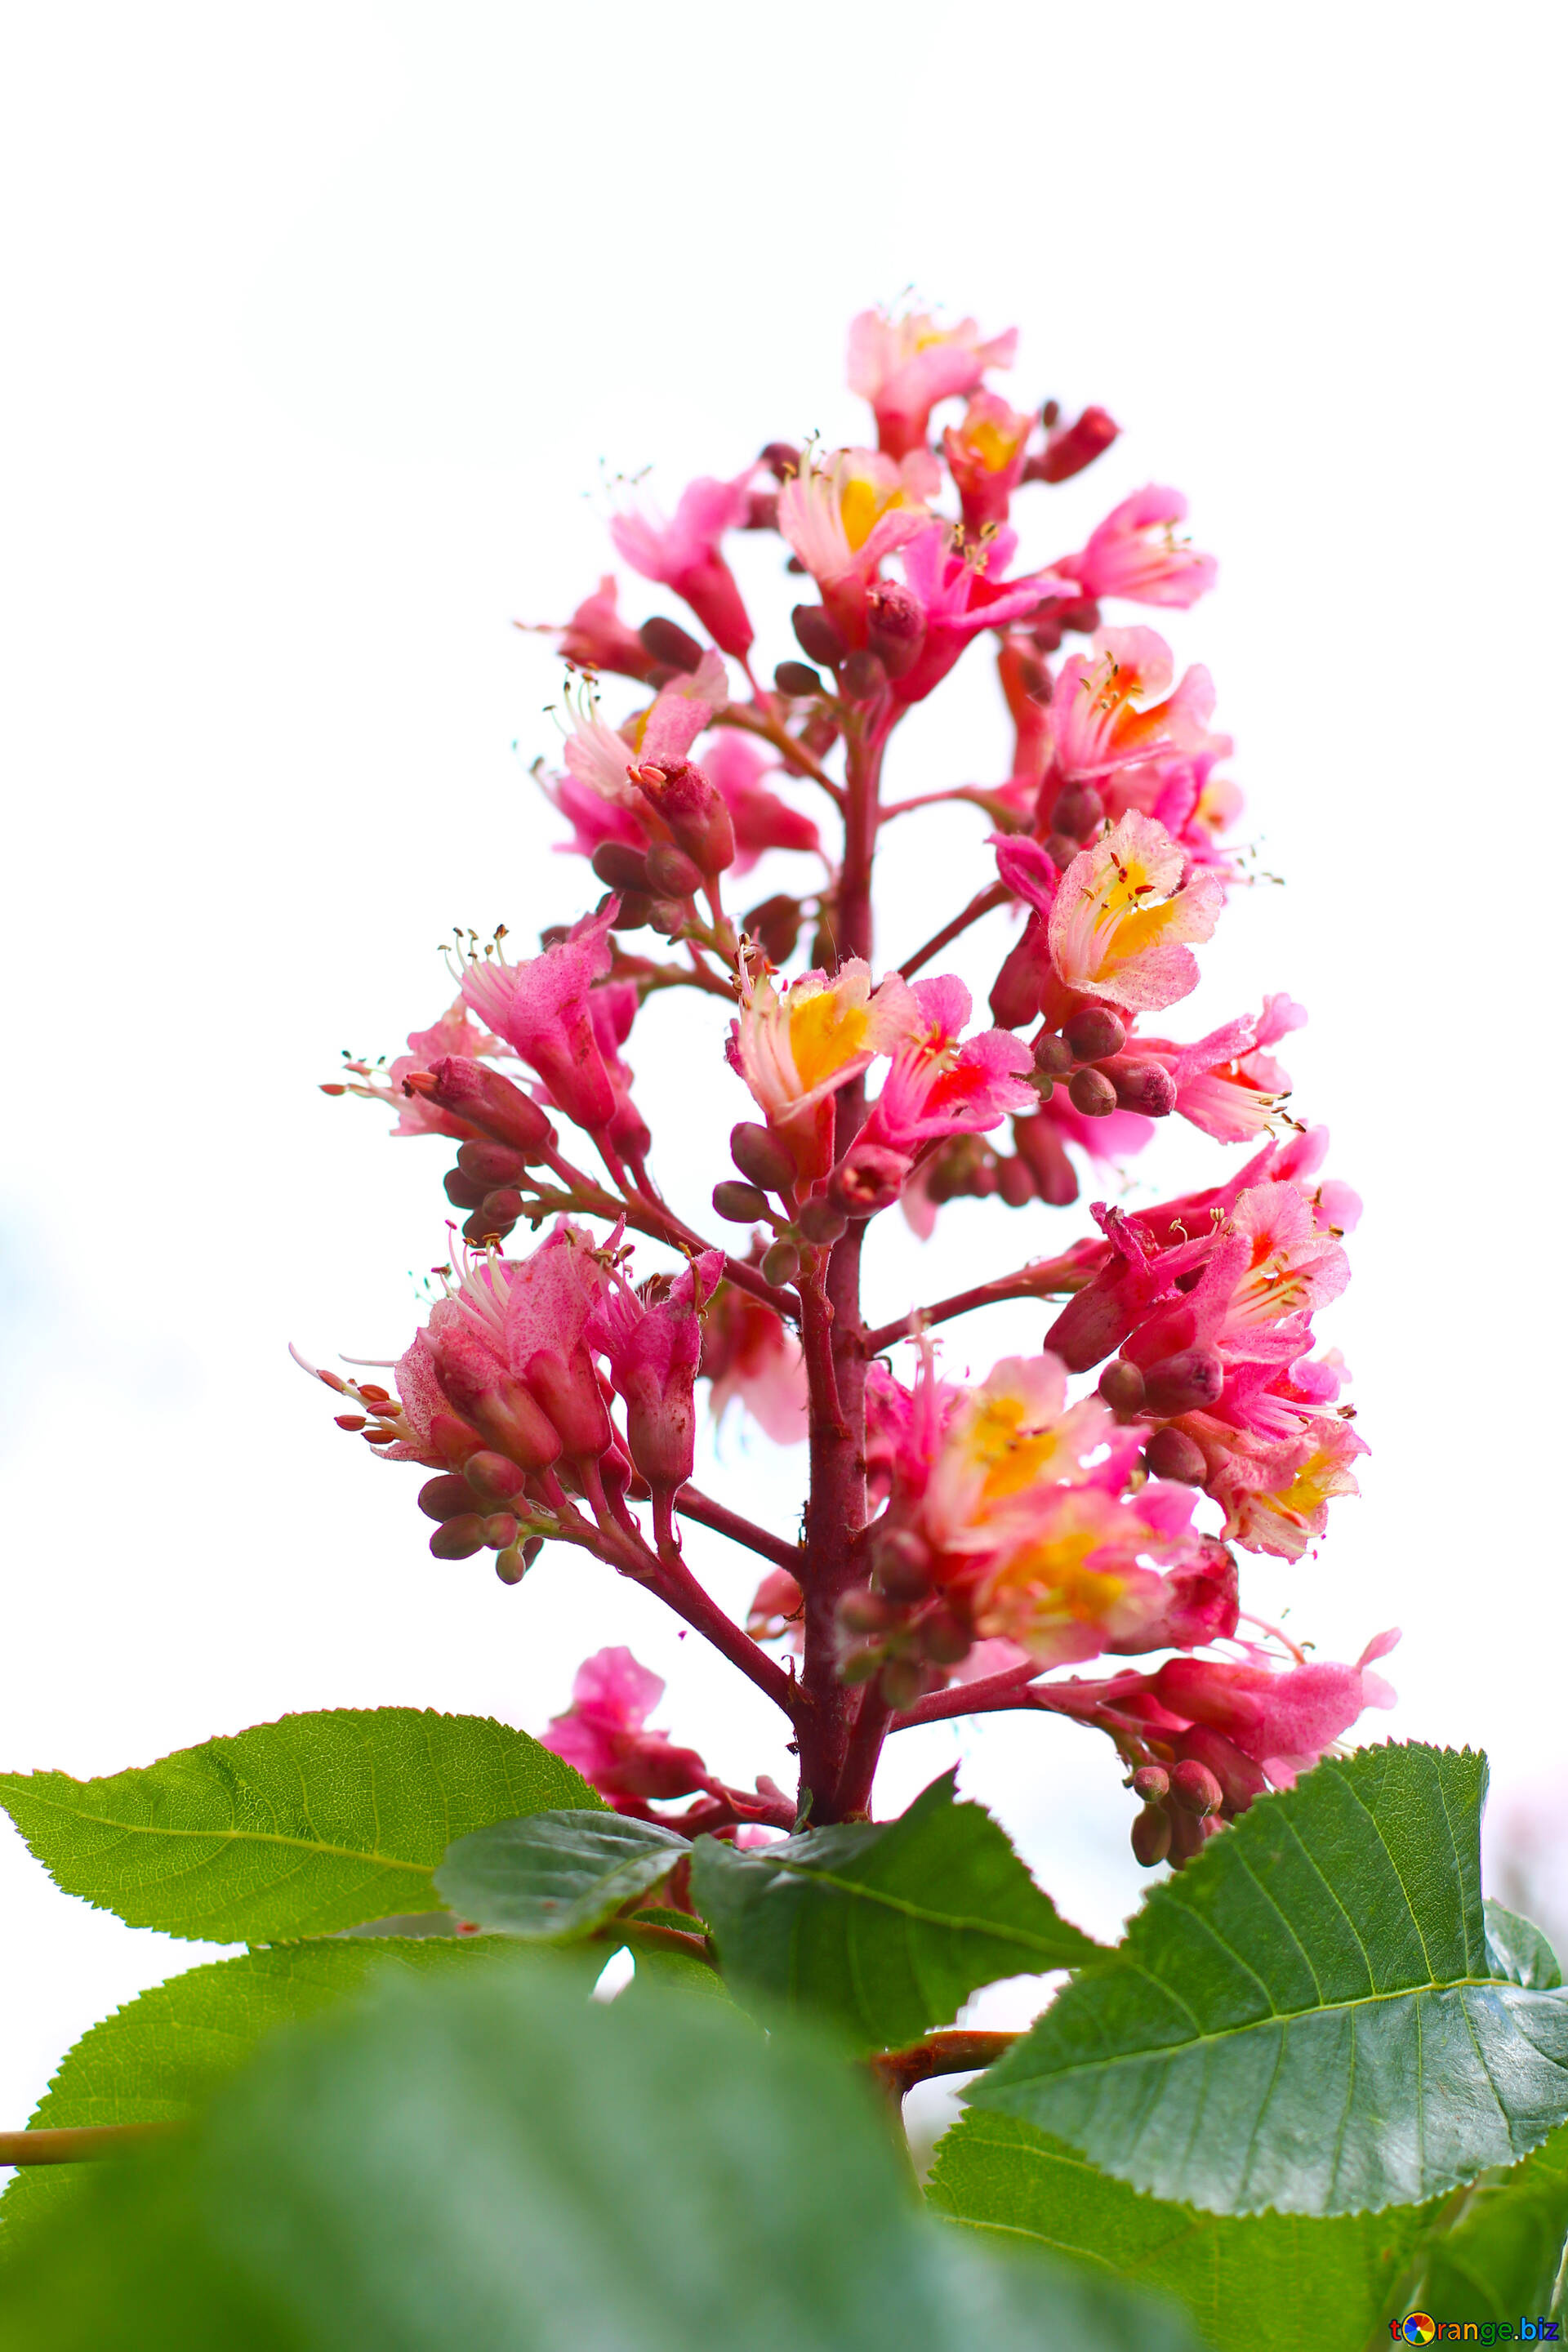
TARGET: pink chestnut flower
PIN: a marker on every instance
(683, 554)
(654, 1345)
(541, 1008)
(937, 1086)
(1135, 553)
(602, 1735)
(1113, 705)
(596, 637)
(957, 586)
(418, 1112)
(986, 457)
(904, 366)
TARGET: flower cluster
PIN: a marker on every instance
(961, 1545)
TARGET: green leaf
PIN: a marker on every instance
(1505, 2251)
(294, 1828)
(1519, 1950)
(484, 2161)
(554, 1877)
(1279, 2280)
(156, 2060)
(1308, 2017)
(888, 1928)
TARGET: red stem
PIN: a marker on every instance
(1056, 1278)
(958, 2052)
(692, 1505)
(996, 894)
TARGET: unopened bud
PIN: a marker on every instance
(1094, 1034)
(692, 808)
(1122, 1388)
(1187, 1383)
(782, 459)
(860, 1664)
(760, 1158)
(620, 866)
(472, 1091)
(863, 676)
(459, 1538)
(901, 1562)
(1076, 810)
(494, 1477)
(1151, 1782)
(671, 874)
(740, 1204)
(513, 1564)
(485, 1225)
(762, 510)
(864, 1611)
(488, 1164)
(1195, 1787)
(1088, 1327)
(502, 1207)
(453, 1439)
(895, 625)
(870, 1177)
(501, 1530)
(634, 911)
(781, 1263)
(822, 1222)
(1144, 1086)
(1053, 1056)
(572, 1398)
(445, 1498)
(666, 641)
(902, 1683)
(666, 916)
(1151, 1835)
(1015, 1182)
(461, 1190)
(944, 1638)
(1171, 1454)
(1076, 445)
(1092, 1093)
(1061, 849)
(775, 926)
(818, 635)
(794, 678)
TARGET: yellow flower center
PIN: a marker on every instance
(824, 1034)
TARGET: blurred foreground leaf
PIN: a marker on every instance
(156, 2060)
(293, 1828)
(490, 2162)
(1308, 2017)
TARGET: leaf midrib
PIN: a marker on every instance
(234, 1836)
(949, 1919)
(1099, 2066)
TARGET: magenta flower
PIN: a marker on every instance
(953, 581)
(1122, 913)
(1102, 716)
(601, 1735)
(541, 1008)
(937, 1086)
(654, 1344)
(683, 553)
(904, 366)
(1135, 553)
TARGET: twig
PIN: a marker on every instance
(693, 1504)
(796, 754)
(959, 2053)
(1050, 1277)
(996, 894)
(84, 2144)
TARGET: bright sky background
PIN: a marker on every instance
(330, 326)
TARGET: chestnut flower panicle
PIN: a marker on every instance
(964, 1543)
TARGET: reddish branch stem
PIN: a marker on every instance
(996, 894)
(1051, 1278)
(898, 2071)
(692, 1505)
(83, 2144)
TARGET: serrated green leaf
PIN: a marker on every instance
(1505, 2251)
(487, 2163)
(1307, 2018)
(156, 2060)
(553, 1877)
(1519, 1950)
(1279, 2280)
(293, 1828)
(883, 1929)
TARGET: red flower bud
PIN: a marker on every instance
(666, 643)
(620, 866)
(895, 626)
(1144, 1086)
(671, 874)
(692, 808)
(818, 635)
(493, 1477)
(480, 1096)
(740, 1204)
(1151, 1835)
(760, 1158)
(794, 678)
(1091, 1092)
(1121, 1387)
(1094, 1034)
(1076, 810)
(445, 1498)
(1071, 447)
(870, 1177)
(1195, 1787)
(571, 1395)
(459, 1538)
(822, 1222)
(863, 676)
(1187, 1383)
(1152, 1783)
(1171, 1454)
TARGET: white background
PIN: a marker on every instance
(328, 327)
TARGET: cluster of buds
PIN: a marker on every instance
(962, 1544)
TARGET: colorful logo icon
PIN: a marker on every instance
(1418, 2328)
